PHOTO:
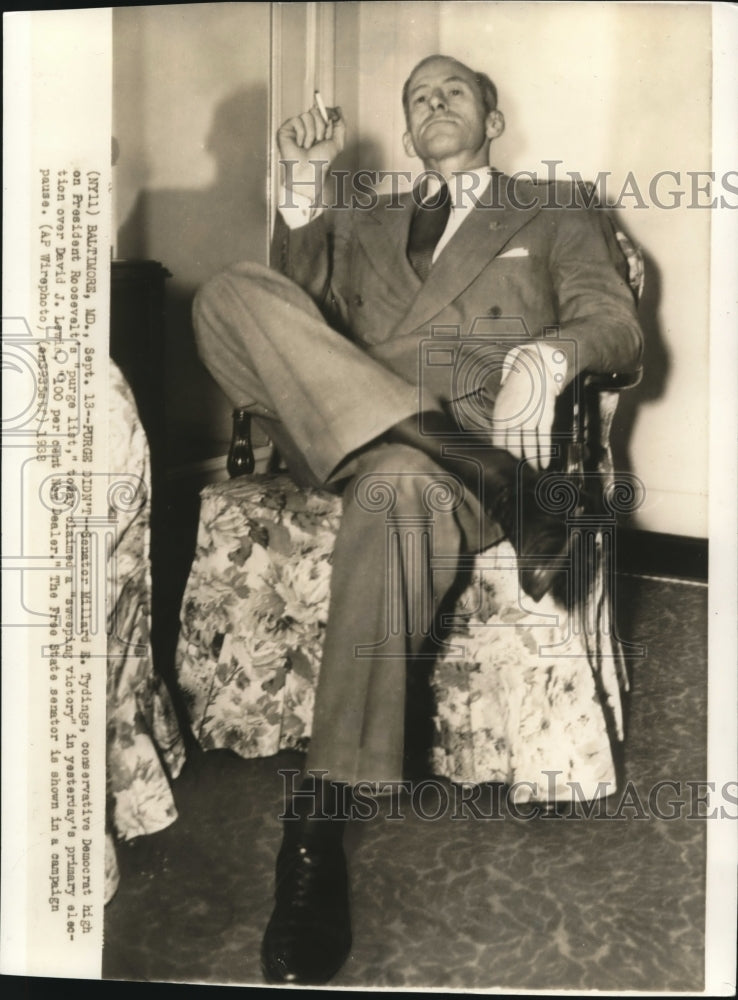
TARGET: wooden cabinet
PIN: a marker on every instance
(137, 342)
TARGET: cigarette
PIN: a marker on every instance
(321, 107)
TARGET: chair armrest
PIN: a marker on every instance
(612, 381)
(578, 427)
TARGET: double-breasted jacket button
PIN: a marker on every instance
(495, 312)
(358, 300)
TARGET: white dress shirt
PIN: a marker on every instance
(464, 197)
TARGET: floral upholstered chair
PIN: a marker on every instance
(525, 694)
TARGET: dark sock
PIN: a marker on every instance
(318, 812)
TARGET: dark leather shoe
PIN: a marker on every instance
(540, 540)
(308, 936)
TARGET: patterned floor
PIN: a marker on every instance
(609, 902)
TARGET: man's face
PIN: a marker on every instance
(446, 117)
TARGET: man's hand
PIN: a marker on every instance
(524, 408)
(308, 139)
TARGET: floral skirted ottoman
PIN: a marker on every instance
(526, 694)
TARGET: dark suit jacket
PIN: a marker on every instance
(507, 275)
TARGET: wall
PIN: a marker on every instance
(602, 87)
(376, 46)
(635, 80)
(190, 115)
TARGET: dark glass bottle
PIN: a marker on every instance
(241, 454)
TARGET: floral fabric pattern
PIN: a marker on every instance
(254, 612)
(528, 694)
(521, 699)
(143, 737)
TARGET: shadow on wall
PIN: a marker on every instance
(195, 234)
(656, 363)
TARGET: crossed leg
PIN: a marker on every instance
(267, 345)
(335, 413)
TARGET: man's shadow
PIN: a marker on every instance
(656, 365)
(195, 234)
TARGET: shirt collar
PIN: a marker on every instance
(464, 195)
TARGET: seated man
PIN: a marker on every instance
(330, 355)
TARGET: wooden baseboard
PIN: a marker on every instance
(652, 553)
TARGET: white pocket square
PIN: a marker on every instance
(515, 252)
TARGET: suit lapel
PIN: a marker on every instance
(383, 233)
(480, 237)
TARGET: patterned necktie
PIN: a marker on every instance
(426, 229)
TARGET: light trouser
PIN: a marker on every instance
(326, 404)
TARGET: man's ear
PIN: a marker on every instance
(407, 142)
(494, 124)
